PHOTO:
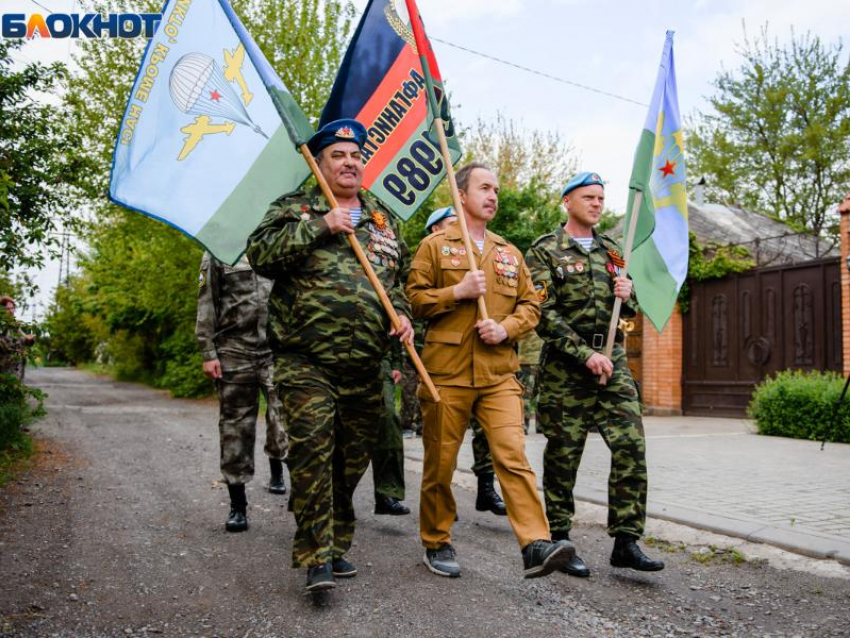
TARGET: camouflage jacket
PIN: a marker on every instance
(322, 305)
(576, 291)
(232, 310)
(530, 347)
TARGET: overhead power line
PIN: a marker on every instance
(548, 76)
(41, 5)
(540, 73)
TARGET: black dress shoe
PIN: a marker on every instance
(391, 506)
(627, 554)
(319, 577)
(488, 499)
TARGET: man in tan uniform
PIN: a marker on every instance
(473, 363)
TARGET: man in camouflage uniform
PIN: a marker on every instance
(231, 333)
(576, 275)
(329, 334)
(388, 455)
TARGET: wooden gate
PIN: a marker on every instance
(743, 327)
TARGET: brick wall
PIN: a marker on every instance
(845, 292)
(661, 360)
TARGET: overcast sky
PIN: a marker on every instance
(611, 45)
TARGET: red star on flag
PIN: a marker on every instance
(215, 96)
(668, 169)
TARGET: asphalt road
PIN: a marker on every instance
(117, 530)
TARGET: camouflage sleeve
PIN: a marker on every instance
(283, 239)
(426, 299)
(205, 326)
(526, 314)
(553, 327)
(397, 295)
(394, 355)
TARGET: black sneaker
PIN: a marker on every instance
(544, 557)
(442, 561)
(342, 568)
(319, 578)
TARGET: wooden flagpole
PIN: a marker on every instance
(627, 253)
(370, 273)
(461, 217)
(421, 47)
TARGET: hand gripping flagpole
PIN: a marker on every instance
(370, 273)
(439, 123)
(618, 303)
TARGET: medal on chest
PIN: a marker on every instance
(506, 267)
(615, 264)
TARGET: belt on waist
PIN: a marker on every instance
(596, 340)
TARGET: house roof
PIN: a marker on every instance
(769, 242)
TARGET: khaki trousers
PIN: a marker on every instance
(498, 409)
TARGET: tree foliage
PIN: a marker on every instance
(776, 141)
(36, 168)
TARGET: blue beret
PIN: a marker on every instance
(582, 179)
(438, 215)
(337, 131)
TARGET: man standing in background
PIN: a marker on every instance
(231, 333)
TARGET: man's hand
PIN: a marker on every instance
(623, 288)
(599, 364)
(396, 376)
(405, 331)
(339, 221)
(29, 340)
(472, 286)
(491, 333)
(844, 207)
(212, 369)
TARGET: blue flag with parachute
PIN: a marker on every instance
(209, 135)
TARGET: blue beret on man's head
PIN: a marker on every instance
(438, 215)
(582, 179)
(337, 131)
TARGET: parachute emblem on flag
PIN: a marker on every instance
(199, 87)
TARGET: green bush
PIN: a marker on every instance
(183, 366)
(20, 405)
(802, 405)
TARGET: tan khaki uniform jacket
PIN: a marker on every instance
(454, 354)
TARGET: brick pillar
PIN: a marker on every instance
(845, 292)
(662, 367)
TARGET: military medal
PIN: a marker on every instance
(580, 267)
(455, 262)
(446, 251)
(461, 251)
(305, 217)
(380, 220)
(571, 268)
(560, 272)
(454, 251)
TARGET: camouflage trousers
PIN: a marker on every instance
(333, 421)
(239, 391)
(411, 413)
(388, 454)
(571, 402)
(482, 460)
(527, 376)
